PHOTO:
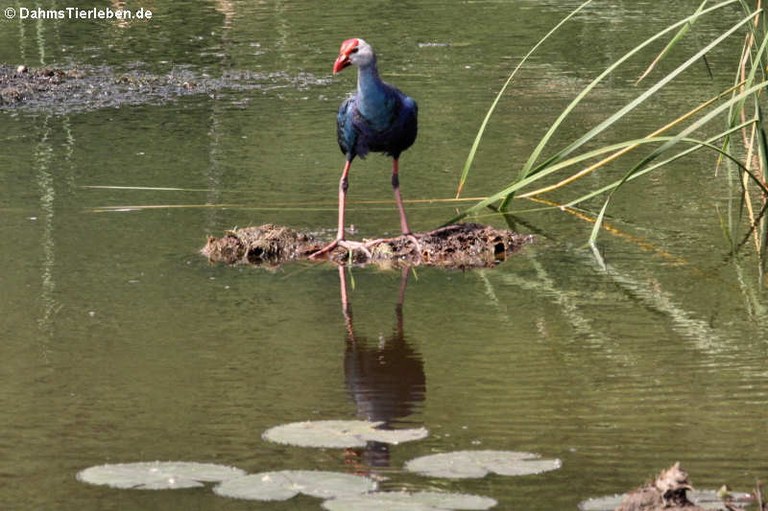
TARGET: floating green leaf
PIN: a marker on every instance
(409, 501)
(340, 434)
(286, 484)
(157, 475)
(469, 464)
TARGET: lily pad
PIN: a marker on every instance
(340, 434)
(157, 475)
(706, 499)
(474, 464)
(409, 501)
(286, 484)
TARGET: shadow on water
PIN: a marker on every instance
(386, 379)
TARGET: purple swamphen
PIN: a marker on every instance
(378, 117)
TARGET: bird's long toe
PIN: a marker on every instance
(326, 249)
(413, 239)
(351, 246)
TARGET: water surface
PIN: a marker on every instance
(120, 343)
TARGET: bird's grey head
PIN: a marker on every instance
(354, 52)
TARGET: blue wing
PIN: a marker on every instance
(345, 130)
(389, 124)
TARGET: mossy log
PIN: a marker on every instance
(454, 246)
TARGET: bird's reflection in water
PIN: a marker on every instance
(385, 379)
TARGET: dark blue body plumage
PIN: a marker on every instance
(378, 118)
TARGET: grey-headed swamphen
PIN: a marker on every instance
(378, 118)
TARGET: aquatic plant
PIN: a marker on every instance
(340, 434)
(409, 501)
(286, 484)
(474, 464)
(157, 475)
(732, 120)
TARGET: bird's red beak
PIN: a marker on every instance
(347, 48)
(342, 61)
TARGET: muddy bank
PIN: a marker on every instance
(455, 246)
(82, 88)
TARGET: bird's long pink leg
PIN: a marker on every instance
(343, 187)
(399, 199)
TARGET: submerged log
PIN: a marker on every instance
(454, 246)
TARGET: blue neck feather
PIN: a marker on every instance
(374, 98)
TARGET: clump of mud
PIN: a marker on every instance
(268, 245)
(20, 83)
(669, 492)
(455, 246)
(85, 88)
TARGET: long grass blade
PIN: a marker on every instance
(529, 165)
(706, 144)
(762, 138)
(481, 131)
(749, 78)
(762, 151)
(697, 144)
(630, 106)
(668, 142)
(612, 157)
(759, 26)
(517, 185)
(648, 93)
(671, 44)
(671, 143)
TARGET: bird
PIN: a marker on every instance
(378, 117)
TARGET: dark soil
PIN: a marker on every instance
(455, 246)
(81, 88)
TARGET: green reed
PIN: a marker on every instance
(732, 119)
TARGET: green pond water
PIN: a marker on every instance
(120, 343)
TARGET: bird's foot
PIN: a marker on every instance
(416, 243)
(326, 249)
(411, 237)
(351, 246)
